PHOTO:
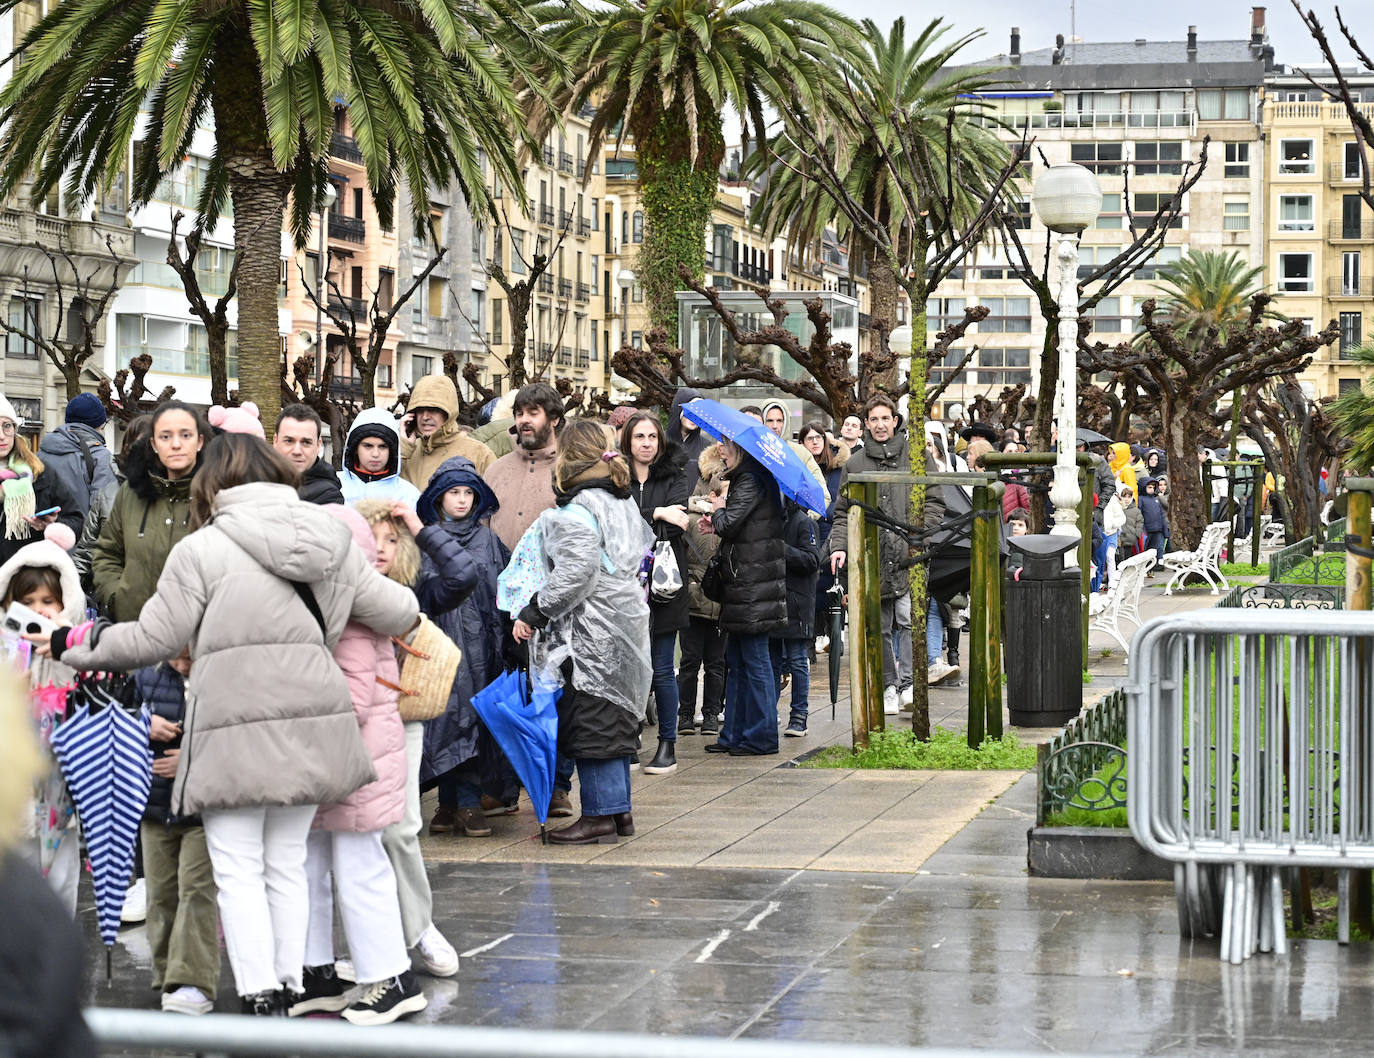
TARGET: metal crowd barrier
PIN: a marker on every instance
(1250, 751)
(156, 1032)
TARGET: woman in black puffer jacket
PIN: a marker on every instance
(753, 565)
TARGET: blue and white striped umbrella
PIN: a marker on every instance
(105, 757)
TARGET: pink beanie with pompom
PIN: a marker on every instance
(61, 535)
(243, 419)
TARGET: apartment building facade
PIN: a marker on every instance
(1319, 233)
(1135, 113)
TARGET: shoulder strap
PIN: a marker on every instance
(86, 455)
(311, 604)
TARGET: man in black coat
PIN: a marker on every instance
(299, 428)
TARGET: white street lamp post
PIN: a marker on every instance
(327, 203)
(626, 279)
(1067, 199)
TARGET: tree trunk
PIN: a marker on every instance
(679, 197)
(71, 376)
(519, 311)
(216, 341)
(367, 377)
(916, 446)
(259, 192)
(1189, 505)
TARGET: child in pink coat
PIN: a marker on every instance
(346, 841)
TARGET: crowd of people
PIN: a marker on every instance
(261, 597)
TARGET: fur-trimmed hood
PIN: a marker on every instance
(709, 463)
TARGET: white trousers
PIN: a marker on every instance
(258, 856)
(367, 904)
(402, 843)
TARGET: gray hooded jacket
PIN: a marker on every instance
(63, 456)
(272, 722)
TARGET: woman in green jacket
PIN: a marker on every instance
(151, 511)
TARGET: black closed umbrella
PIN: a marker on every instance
(836, 648)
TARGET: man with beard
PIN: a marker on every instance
(523, 478)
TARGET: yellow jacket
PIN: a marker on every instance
(1119, 459)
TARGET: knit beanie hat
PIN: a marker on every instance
(86, 409)
(16, 483)
(7, 412)
(243, 419)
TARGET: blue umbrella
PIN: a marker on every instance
(763, 444)
(527, 729)
(104, 755)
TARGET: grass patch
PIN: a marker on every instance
(946, 751)
(1323, 926)
(1326, 573)
(1243, 569)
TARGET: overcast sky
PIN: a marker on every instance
(1116, 20)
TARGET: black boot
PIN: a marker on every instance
(710, 724)
(665, 760)
(265, 1004)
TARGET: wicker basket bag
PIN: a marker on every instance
(429, 662)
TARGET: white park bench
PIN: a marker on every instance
(1205, 562)
(1272, 531)
(1123, 596)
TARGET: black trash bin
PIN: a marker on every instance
(1044, 648)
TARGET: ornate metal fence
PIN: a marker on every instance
(1285, 597)
(1068, 766)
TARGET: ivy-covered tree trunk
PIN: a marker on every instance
(258, 191)
(678, 197)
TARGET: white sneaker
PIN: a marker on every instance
(940, 671)
(437, 954)
(343, 970)
(187, 1000)
(907, 697)
(890, 706)
(135, 903)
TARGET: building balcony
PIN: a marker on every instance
(565, 356)
(546, 284)
(584, 227)
(584, 292)
(343, 306)
(1338, 287)
(545, 351)
(1336, 173)
(349, 229)
(565, 161)
(565, 288)
(546, 216)
(584, 359)
(1339, 231)
(548, 155)
(581, 168)
(565, 219)
(346, 388)
(345, 148)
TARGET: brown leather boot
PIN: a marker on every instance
(589, 830)
(625, 824)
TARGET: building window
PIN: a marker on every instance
(1019, 216)
(637, 226)
(1091, 258)
(517, 252)
(1347, 385)
(1235, 214)
(1011, 367)
(1109, 218)
(1295, 213)
(943, 313)
(1295, 273)
(636, 339)
(1352, 334)
(26, 314)
(1159, 159)
(497, 325)
(1146, 206)
(1103, 158)
(1223, 104)
(1295, 158)
(1351, 169)
(1237, 160)
(1163, 257)
(1106, 316)
(637, 292)
(1350, 273)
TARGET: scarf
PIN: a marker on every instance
(16, 484)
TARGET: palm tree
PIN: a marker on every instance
(907, 109)
(663, 72)
(1209, 289)
(428, 89)
(1353, 412)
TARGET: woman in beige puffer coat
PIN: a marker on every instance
(271, 731)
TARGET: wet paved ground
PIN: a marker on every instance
(948, 944)
(967, 952)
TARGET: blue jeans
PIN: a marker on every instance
(935, 631)
(1100, 561)
(605, 789)
(665, 683)
(458, 790)
(790, 656)
(751, 695)
(1155, 540)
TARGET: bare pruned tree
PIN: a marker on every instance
(1338, 88)
(343, 313)
(215, 320)
(77, 294)
(128, 397)
(1298, 438)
